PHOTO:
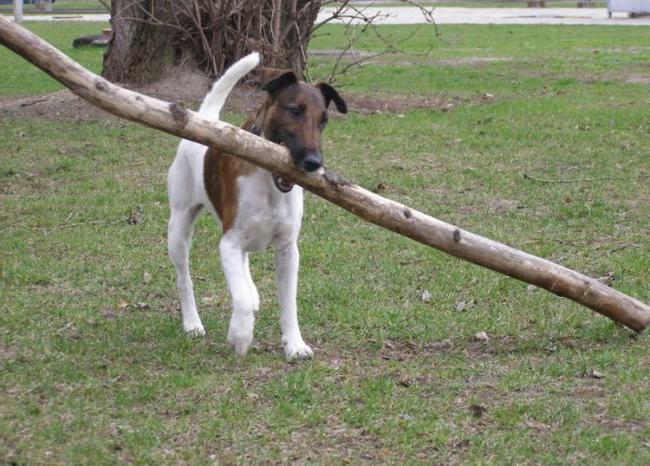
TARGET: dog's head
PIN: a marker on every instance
(296, 114)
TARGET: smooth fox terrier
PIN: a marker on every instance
(255, 207)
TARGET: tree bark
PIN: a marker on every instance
(140, 50)
(151, 38)
(174, 119)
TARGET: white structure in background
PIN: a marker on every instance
(632, 7)
(18, 11)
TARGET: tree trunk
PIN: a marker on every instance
(153, 37)
(139, 50)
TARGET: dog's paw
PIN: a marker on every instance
(240, 334)
(240, 343)
(297, 350)
(194, 329)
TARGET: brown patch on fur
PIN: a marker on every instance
(220, 174)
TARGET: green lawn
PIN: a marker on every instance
(18, 77)
(95, 369)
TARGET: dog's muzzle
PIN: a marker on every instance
(311, 162)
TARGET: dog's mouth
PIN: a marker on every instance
(307, 161)
(283, 185)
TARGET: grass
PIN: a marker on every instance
(94, 365)
(21, 78)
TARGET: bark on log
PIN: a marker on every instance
(174, 119)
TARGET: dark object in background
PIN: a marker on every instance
(100, 40)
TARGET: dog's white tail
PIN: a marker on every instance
(213, 102)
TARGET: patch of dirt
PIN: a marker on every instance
(61, 105)
(189, 89)
(7, 354)
(638, 79)
(417, 60)
(476, 62)
(398, 104)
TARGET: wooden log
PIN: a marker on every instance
(174, 119)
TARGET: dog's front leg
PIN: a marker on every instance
(287, 262)
(233, 260)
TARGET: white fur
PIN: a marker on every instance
(265, 216)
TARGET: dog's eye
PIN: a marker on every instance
(295, 111)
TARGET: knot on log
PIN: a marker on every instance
(335, 179)
(179, 113)
(457, 235)
(100, 85)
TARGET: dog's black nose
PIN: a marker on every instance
(312, 162)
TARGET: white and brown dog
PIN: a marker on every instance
(255, 207)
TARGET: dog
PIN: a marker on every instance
(255, 208)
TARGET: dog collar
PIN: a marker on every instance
(283, 185)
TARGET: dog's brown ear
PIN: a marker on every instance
(273, 80)
(331, 94)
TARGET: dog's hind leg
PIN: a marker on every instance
(184, 211)
(233, 260)
(179, 234)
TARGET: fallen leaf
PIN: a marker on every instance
(211, 299)
(533, 424)
(426, 296)
(568, 342)
(464, 443)
(477, 410)
(596, 375)
(481, 336)
(404, 383)
(464, 304)
(437, 345)
(146, 277)
(136, 217)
